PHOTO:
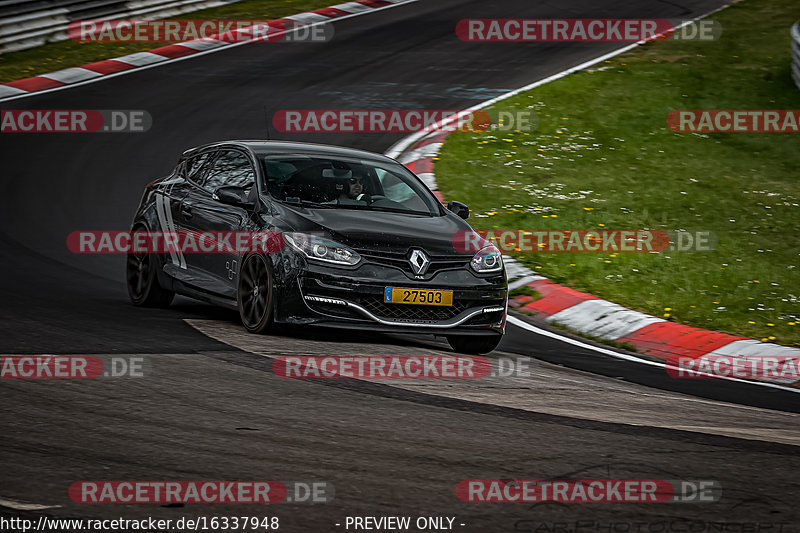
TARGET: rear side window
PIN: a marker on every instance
(195, 166)
(231, 168)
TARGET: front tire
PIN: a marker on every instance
(141, 275)
(255, 294)
(473, 345)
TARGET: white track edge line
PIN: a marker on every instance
(19, 505)
(524, 325)
(397, 148)
(400, 146)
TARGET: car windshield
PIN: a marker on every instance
(346, 183)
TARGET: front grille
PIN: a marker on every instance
(411, 312)
(400, 261)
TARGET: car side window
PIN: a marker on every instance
(195, 165)
(231, 168)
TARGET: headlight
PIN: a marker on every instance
(487, 260)
(321, 249)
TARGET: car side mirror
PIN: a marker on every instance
(232, 195)
(459, 209)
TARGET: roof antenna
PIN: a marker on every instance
(266, 116)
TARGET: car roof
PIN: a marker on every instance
(260, 147)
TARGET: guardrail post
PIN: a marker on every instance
(796, 53)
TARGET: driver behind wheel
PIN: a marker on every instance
(352, 188)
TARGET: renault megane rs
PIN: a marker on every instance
(356, 241)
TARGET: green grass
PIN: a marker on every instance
(65, 54)
(603, 157)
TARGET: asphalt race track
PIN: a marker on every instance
(211, 408)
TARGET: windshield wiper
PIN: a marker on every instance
(309, 203)
(385, 209)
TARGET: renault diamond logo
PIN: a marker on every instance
(419, 262)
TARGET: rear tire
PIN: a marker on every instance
(141, 275)
(256, 294)
(473, 344)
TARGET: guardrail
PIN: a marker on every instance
(796, 53)
(26, 24)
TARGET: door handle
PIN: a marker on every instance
(186, 212)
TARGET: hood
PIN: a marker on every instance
(376, 230)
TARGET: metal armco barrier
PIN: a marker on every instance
(796, 53)
(26, 24)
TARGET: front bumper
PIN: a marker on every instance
(353, 297)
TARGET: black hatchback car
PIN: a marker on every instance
(356, 241)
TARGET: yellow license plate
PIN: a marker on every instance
(399, 295)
